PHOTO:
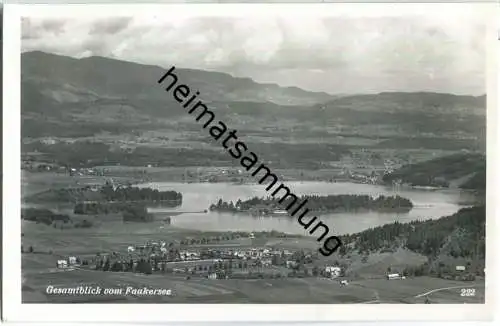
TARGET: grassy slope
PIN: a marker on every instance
(450, 240)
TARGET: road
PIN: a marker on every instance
(447, 288)
(378, 300)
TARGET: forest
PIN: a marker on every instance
(441, 171)
(459, 235)
(107, 194)
(134, 194)
(45, 216)
(136, 214)
(322, 204)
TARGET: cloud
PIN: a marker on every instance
(337, 55)
(36, 29)
(110, 26)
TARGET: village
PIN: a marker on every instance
(160, 257)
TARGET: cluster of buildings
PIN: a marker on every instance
(370, 178)
(213, 261)
(68, 262)
(264, 255)
(84, 171)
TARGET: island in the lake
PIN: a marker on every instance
(269, 206)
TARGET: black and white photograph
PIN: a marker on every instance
(235, 156)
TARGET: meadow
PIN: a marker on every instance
(39, 271)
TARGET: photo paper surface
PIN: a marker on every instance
(226, 159)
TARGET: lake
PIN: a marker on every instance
(428, 204)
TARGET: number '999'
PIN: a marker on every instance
(467, 292)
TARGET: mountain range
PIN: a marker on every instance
(61, 93)
(99, 77)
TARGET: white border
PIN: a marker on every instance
(14, 310)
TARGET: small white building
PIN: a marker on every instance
(266, 262)
(62, 264)
(334, 271)
(72, 260)
(394, 276)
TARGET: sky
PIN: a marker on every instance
(338, 55)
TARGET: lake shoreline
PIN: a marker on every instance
(199, 196)
(429, 204)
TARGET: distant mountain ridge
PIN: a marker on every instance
(442, 103)
(112, 78)
(66, 96)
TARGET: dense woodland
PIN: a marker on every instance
(96, 208)
(45, 216)
(477, 181)
(459, 235)
(441, 171)
(330, 203)
(130, 211)
(134, 194)
(107, 194)
(137, 214)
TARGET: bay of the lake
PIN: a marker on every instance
(428, 204)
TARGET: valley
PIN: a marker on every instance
(97, 123)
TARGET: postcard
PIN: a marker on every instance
(248, 162)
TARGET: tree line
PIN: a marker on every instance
(42, 215)
(108, 193)
(463, 233)
(329, 203)
(131, 212)
(135, 194)
(47, 217)
(440, 171)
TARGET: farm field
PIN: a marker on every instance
(414, 290)
(117, 236)
(289, 290)
(50, 244)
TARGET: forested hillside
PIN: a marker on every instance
(443, 171)
(459, 235)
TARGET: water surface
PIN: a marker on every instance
(428, 204)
